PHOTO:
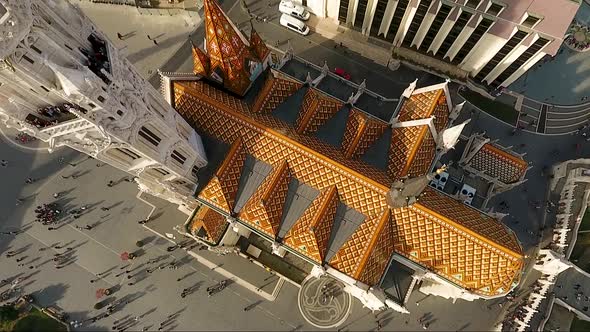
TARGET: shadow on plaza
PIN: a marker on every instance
(168, 42)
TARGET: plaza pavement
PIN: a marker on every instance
(171, 32)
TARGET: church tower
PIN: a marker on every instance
(63, 81)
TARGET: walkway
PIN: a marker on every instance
(562, 80)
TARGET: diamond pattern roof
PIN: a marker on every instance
(420, 105)
(200, 62)
(315, 110)
(452, 248)
(311, 232)
(276, 90)
(411, 151)
(231, 57)
(360, 133)
(265, 208)
(258, 45)
(499, 164)
(222, 189)
(213, 223)
(455, 252)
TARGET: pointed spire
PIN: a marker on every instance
(227, 48)
(200, 61)
(258, 45)
(410, 89)
(449, 137)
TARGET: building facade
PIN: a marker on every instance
(490, 42)
(62, 81)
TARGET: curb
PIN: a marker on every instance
(227, 274)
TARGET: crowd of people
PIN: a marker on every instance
(47, 214)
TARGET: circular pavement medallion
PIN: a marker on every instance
(578, 37)
(323, 302)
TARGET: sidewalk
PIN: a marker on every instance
(167, 219)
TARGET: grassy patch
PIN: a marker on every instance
(585, 224)
(36, 321)
(496, 109)
(579, 325)
(581, 252)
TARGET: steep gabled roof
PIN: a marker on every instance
(222, 189)
(213, 223)
(227, 49)
(277, 88)
(311, 232)
(361, 132)
(411, 151)
(498, 163)
(354, 254)
(315, 110)
(265, 208)
(258, 44)
(201, 62)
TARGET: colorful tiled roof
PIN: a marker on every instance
(213, 223)
(361, 132)
(411, 151)
(315, 110)
(311, 232)
(455, 251)
(265, 208)
(499, 164)
(222, 189)
(276, 89)
(230, 56)
(420, 105)
(258, 45)
(201, 63)
(452, 248)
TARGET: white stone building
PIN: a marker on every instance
(63, 81)
(493, 42)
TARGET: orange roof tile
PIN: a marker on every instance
(227, 49)
(276, 90)
(499, 164)
(450, 247)
(454, 251)
(213, 223)
(201, 63)
(360, 133)
(265, 207)
(354, 253)
(441, 113)
(420, 105)
(315, 110)
(258, 45)
(375, 261)
(411, 151)
(222, 189)
(311, 232)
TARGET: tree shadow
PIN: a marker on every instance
(50, 294)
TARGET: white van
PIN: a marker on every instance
(294, 24)
(290, 8)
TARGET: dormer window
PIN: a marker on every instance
(495, 9)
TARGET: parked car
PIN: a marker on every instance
(342, 73)
(294, 24)
(296, 10)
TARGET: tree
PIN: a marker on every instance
(139, 243)
(8, 313)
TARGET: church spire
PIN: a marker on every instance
(231, 60)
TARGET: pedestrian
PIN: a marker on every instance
(130, 283)
(155, 42)
(4, 162)
(104, 208)
(120, 36)
(20, 259)
(50, 228)
(56, 195)
(29, 181)
(150, 38)
(110, 184)
(88, 227)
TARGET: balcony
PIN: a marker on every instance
(98, 57)
(52, 115)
